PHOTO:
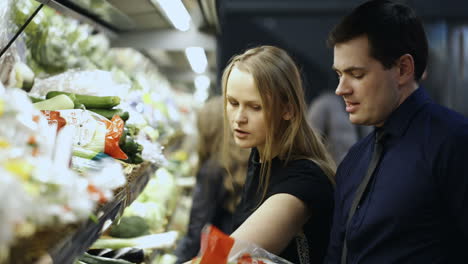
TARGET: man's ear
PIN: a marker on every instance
(288, 112)
(405, 66)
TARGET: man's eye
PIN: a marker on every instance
(233, 103)
(358, 75)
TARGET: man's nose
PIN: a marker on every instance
(343, 88)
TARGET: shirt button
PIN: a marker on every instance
(358, 207)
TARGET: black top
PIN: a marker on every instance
(304, 180)
(415, 209)
(209, 196)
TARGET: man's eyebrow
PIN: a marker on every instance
(350, 69)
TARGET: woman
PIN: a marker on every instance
(287, 201)
(216, 193)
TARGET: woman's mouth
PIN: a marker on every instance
(240, 134)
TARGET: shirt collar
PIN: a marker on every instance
(398, 121)
(256, 159)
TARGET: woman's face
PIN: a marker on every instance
(245, 110)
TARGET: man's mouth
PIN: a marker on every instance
(351, 106)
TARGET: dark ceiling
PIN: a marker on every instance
(301, 27)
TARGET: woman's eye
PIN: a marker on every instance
(256, 107)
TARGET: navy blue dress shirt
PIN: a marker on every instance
(415, 209)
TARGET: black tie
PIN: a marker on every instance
(377, 154)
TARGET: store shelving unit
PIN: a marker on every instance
(140, 24)
(81, 13)
(80, 240)
(80, 237)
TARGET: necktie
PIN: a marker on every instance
(377, 153)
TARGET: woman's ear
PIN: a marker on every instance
(288, 112)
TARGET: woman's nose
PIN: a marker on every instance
(240, 117)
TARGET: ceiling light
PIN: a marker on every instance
(202, 85)
(177, 13)
(197, 59)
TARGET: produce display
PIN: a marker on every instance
(35, 173)
(80, 119)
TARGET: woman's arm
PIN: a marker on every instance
(275, 223)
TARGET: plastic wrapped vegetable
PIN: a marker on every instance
(95, 133)
(217, 247)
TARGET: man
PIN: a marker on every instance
(402, 192)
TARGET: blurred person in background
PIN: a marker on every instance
(216, 193)
(328, 116)
(287, 200)
(402, 192)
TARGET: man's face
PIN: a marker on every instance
(245, 110)
(369, 90)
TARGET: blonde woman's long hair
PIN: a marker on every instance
(279, 84)
(210, 132)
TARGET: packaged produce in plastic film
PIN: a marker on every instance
(37, 157)
(95, 82)
(153, 110)
(8, 60)
(13, 70)
(94, 133)
(13, 209)
(57, 42)
(219, 248)
(20, 135)
(157, 201)
(152, 150)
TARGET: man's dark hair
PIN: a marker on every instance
(393, 30)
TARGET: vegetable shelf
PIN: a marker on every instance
(75, 243)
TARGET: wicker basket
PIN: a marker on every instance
(132, 172)
(31, 249)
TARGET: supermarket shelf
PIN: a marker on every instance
(166, 39)
(79, 241)
(67, 8)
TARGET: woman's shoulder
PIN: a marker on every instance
(304, 179)
(300, 172)
(303, 166)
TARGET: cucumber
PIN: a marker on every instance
(79, 105)
(35, 99)
(90, 101)
(90, 259)
(60, 102)
(109, 113)
(70, 95)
